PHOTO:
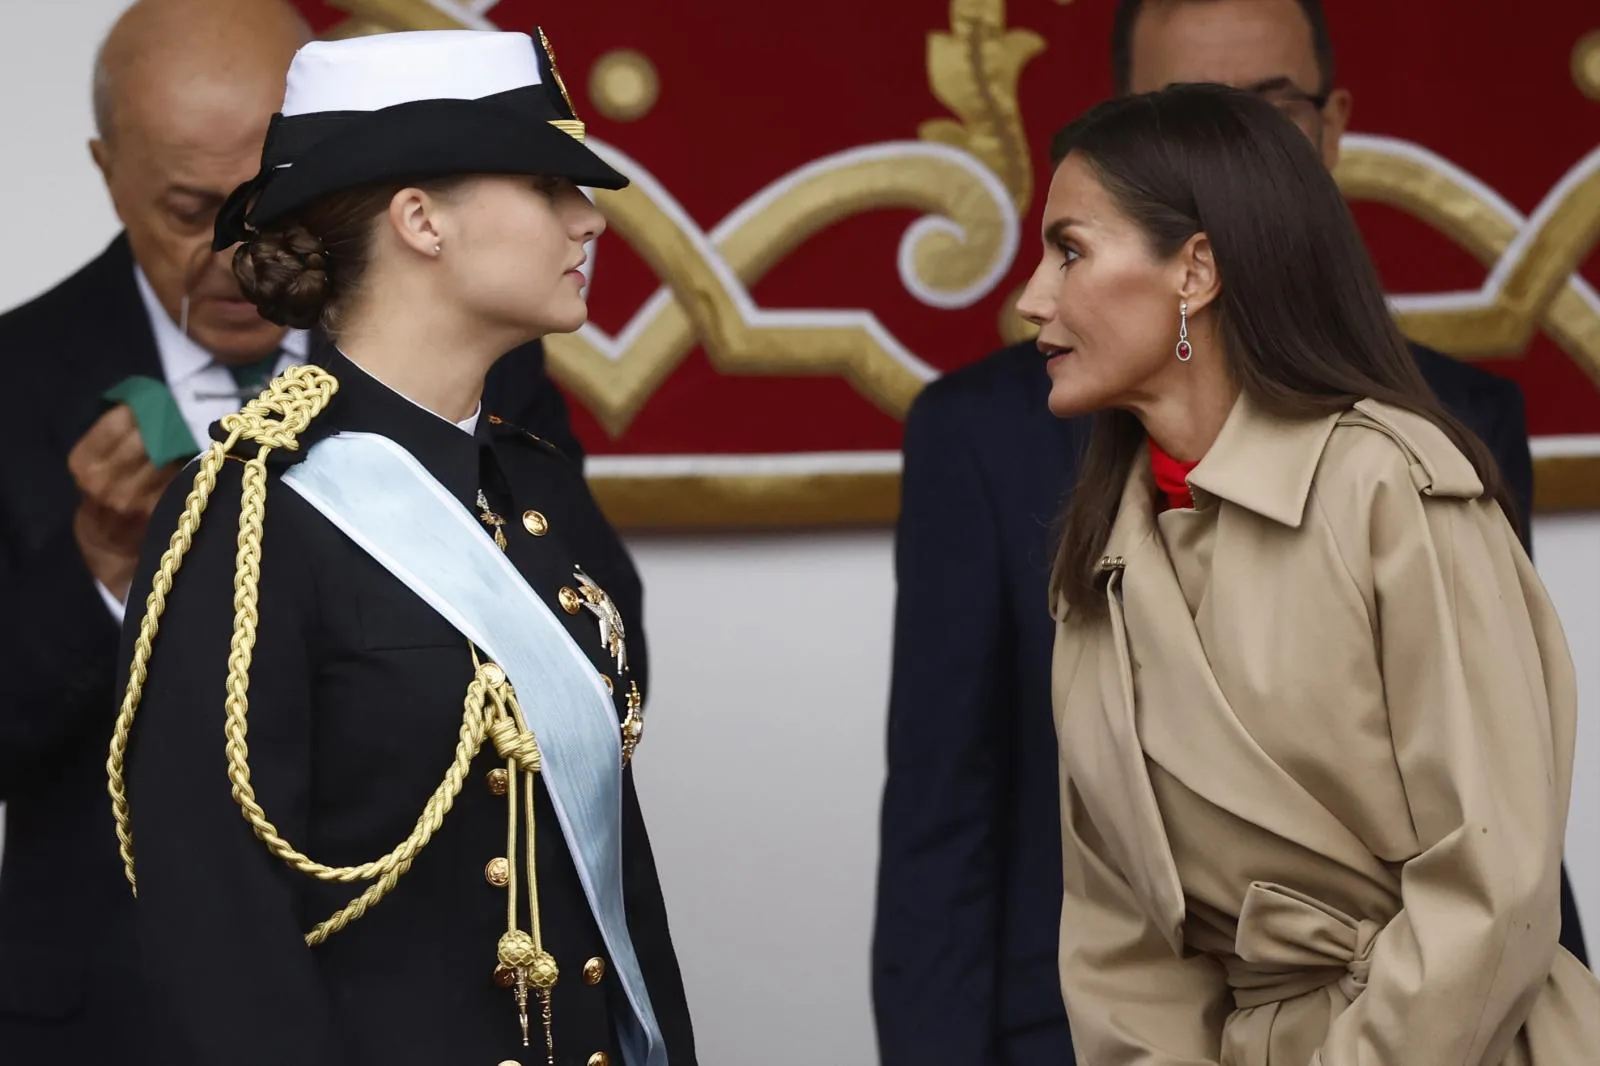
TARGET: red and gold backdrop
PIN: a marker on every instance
(836, 201)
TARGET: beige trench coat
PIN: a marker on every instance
(1315, 767)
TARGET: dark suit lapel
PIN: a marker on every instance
(109, 339)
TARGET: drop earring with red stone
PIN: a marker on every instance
(1183, 350)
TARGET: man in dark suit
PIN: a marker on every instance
(969, 892)
(183, 90)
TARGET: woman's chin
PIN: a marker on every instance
(1068, 402)
(568, 318)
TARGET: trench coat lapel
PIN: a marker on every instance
(1197, 738)
(1100, 745)
(1259, 470)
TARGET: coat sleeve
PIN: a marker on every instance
(1482, 706)
(1131, 1000)
(58, 640)
(221, 937)
(936, 941)
(58, 646)
(1508, 440)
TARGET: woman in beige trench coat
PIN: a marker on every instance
(1315, 710)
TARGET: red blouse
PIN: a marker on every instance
(1171, 477)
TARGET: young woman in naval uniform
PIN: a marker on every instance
(371, 775)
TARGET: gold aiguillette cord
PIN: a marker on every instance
(522, 954)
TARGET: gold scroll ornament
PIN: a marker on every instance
(973, 70)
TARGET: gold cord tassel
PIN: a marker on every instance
(521, 954)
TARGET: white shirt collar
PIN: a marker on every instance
(181, 357)
(183, 360)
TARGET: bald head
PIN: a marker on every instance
(183, 93)
(159, 47)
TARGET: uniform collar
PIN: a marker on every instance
(468, 425)
(365, 404)
(1264, 463)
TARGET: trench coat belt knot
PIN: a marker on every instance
(1289, 944)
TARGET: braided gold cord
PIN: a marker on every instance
(275, 419)
(490, 710)
(177, 547)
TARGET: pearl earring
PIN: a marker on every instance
(1183, 350)
(438, 247)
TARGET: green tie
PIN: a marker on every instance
(253, 377)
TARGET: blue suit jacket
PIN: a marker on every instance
(969, 890)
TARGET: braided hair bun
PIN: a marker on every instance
(284, 272)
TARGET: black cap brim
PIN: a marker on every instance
(506, 134)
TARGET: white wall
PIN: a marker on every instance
(1567, 548)
(52, 192)
(760, 778)
(763, 759)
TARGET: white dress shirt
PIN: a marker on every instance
(204, 388)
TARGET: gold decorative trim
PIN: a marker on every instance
(973, 70)
(356, 27)
(555, 71)
(624, 85)
(394, 15)
(747, 501)
(1562, 484)
(1586, 65)
(616, 387)
(1541, 287)
(571, 127)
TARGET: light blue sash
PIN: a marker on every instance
(382, 498)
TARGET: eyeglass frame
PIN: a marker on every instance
(1293, 93)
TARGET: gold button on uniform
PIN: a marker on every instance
(535, 523)
(569, 601)
(498, 782)
(497, 873)
(594, 971)
(599, 1058)
(610, 685)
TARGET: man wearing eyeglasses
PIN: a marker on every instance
(1278, 48)
(969, 889)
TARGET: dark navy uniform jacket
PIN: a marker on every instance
(356, 693)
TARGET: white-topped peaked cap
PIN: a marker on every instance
(371, 73)
(408, 106)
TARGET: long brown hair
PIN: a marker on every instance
(1302, 314)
